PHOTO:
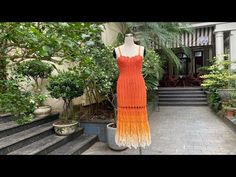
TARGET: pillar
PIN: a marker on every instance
(219, 36)
(233, 49)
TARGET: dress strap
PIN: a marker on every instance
(119, 51)
(139, 50)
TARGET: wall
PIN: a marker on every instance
(111, 30)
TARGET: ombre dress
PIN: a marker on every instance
(132, 118)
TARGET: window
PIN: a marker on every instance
(198, 54)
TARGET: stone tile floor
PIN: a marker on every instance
(181, 130)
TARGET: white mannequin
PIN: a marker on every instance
(129, 48)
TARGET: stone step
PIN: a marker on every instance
(180, 88)
(24, 138)
(182, 96)
(180, 92)
(11, 127)
(5, 118)
(183, 103)
(76, 146)
(182, 99)
(47, 144)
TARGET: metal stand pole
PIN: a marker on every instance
(140, 151)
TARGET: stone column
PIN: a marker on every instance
(233, 49)
(219, 36)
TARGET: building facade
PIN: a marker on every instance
(207, 40)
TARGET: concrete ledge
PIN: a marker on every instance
(95, 128)
(230, 122)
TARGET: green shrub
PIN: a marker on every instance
(219, 76)
(152, 69)
(66, 85)
(17, 102)
(214, 101)
(35, 69)
(39, 99)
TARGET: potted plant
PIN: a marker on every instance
(230, 105)
(220, 79)
(41, 108)
(230, 108)
(66, 85)
(38, 71)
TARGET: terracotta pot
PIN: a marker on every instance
(230, 114)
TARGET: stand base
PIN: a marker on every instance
(140, 151)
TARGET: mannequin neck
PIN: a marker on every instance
(129, 42)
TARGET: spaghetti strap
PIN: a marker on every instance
(119, 51)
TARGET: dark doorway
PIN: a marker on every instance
(198, 55)
(184, 59)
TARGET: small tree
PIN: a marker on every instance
(36, 70)
(66, 85)
(100, 72)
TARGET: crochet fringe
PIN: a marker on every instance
(132, 127)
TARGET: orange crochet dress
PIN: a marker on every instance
(132, 117)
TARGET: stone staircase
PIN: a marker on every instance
(38, 137)
(181, 96)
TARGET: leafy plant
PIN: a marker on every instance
(66, 85)
(17, 102)
(219, 76)
(39, 99)
(100, 73)
(231, 103)
(214, 101)
(228, 105)
(35, 69)
(152, 69)
(46, 41)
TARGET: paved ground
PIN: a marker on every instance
(182, 130)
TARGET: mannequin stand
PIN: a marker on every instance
(140, 151)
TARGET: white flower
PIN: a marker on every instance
(32, 101)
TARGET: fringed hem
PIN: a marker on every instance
(132, 127)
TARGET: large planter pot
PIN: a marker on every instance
(225, 93)
(64, 129)
(111, 138)
(42, 110)
(230, 112)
